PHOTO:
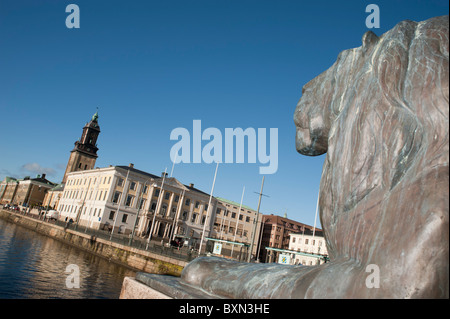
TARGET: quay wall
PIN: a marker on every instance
(136, 259)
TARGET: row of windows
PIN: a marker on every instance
(73, 209)
(112, 214)
(225, 229)
(133, 185)
(307, 241)
(167, 195)
(79, 194)
(84, 181)
(233, 215)
(227, 211)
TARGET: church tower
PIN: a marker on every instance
(84, 154)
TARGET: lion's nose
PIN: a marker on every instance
(310, 144)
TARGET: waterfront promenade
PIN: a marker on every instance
(137, 253)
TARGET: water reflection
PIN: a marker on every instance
(34, 266)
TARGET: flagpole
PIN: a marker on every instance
(256, 223)
(237, 221)
(173, 164)
(120, 201)
(158, 206)
(137, 213)
(207, 212)
(315, 218)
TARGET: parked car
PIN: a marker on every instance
(52, 214)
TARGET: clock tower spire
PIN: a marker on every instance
(84, 154)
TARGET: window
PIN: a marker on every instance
(194, 218)
(119, 182)
(111, 215)
(177, 198)
(156, 193)
(116, 197)
(203, 219)
(124, 218)
(247, 219)
(133, 186)
(233, 215)
(142, 203)
(185, 215)
(164, 209)
(218, 211)
(197, 204)
(153, 207)
(187, 202)
(129, 200)
(167, 195)
(144, 190)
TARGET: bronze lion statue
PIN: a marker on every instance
(380, 113)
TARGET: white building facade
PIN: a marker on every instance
(121, 199)
(311, 248)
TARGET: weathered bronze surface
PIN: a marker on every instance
(381, 115)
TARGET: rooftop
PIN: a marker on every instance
(233, 203)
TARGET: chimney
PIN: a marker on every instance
(191, 185)
(43, 176)
(162, 174)
(131, 165)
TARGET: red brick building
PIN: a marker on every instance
(275, 234)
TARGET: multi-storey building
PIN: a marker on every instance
(232, 225)
(25, 192)
(122, 199)
(310, 244)
(8, 189)
(275, 234)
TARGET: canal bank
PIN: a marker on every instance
(136, 259)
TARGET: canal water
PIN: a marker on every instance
(34, 266)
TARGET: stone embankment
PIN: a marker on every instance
(136, 259)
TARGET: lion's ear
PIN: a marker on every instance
(369, 40)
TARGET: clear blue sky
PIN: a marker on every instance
(152, 66)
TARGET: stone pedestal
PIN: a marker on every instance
(151, 286)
